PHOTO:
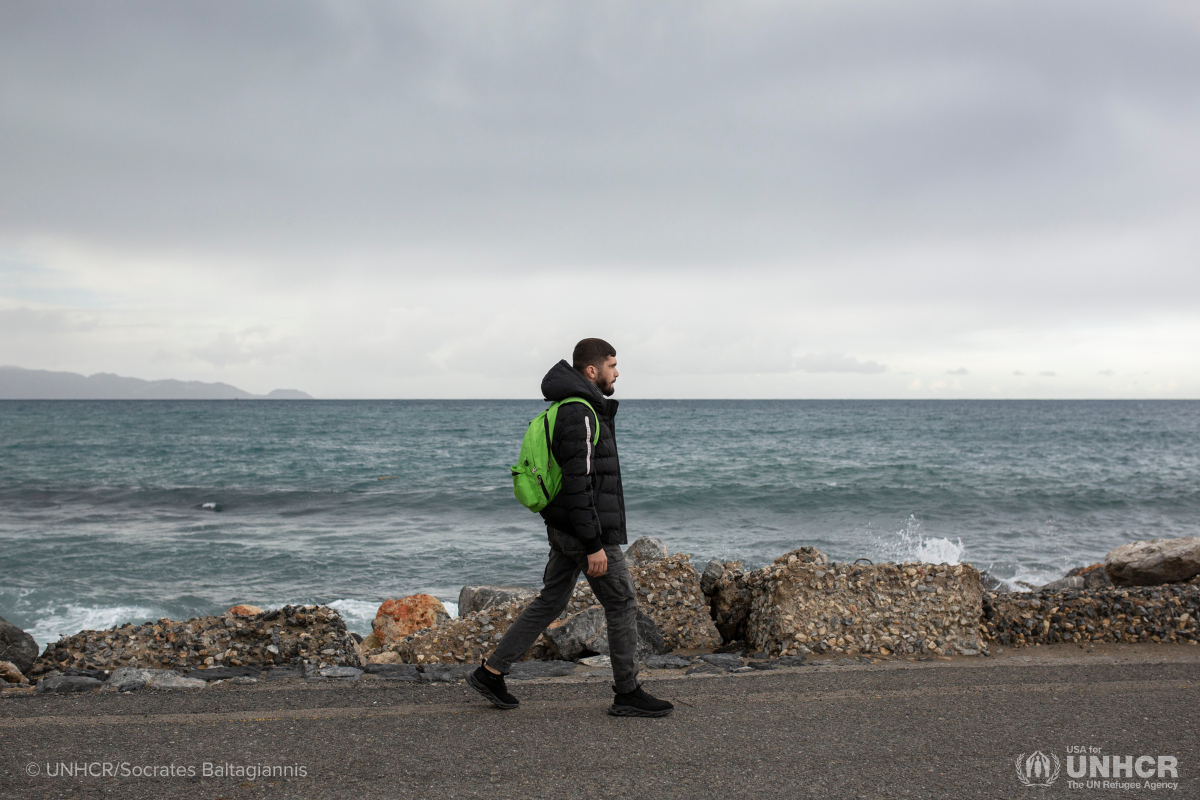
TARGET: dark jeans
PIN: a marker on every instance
(615, 591)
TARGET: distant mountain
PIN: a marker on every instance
(39, 384)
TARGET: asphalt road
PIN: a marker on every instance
(896, 730)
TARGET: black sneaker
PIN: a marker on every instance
(639, 703)
(492, 687)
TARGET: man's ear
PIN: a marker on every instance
(591, 372)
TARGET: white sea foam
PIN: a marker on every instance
(910, 545)
(357, 614)
(68, 620)
(939, 551)
(1028, 578)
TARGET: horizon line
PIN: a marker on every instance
(263, 399)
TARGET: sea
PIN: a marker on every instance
(115, 511)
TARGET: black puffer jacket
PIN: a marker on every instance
(590, 506)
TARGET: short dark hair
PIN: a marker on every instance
(591, 353)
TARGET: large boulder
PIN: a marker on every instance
(477, 598)
(669, 593)
(586, 633)
(10, 674)
(580, 634)
(799, 604)
(1153, 562)
(288, 635)
(17, 646)
(645, 550)
(396, 619)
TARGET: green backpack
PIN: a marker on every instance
(536, 477)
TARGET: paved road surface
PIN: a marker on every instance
(898, 730)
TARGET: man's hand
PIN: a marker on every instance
(597, 564)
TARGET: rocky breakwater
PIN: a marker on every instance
(802, 603)
(1117, 614)
(290, 635)
(1147, 591)
(906, 609)
(669, 598)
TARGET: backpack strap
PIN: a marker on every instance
(595, 436)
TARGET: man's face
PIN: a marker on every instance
(605, 377)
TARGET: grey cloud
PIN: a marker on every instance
(836, 362)
(930, 182)
(1047, 374)
(959, 371)
(674, 133)
(1018, 373)
(1108, 373)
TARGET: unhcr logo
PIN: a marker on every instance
(1089, 768)
(1038, 769)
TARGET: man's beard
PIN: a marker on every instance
(607, 391)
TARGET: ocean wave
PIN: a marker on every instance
(102, 519)
(909, 544)
(67, 620)
(357, 614)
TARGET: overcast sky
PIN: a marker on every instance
(748, 199)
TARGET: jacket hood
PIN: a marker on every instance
(563, 381)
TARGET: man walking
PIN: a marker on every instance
(585, 524)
